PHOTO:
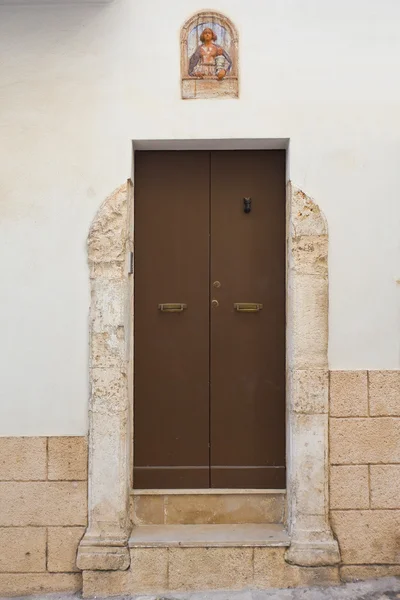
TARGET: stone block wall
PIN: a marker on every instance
(43, 513)
(365, 471)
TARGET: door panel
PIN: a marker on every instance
(209, 381)
(171, 413)
(247, 399)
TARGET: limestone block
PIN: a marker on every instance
(106, 240)
(105, 583)
(109, 490)
(107, 271)
(62, 547)
(349, 393)
(271, 571)
(349, 487)
(310, 255)
(225, 508)
(362, 441)
(360, 572)
(210, 568)
(107, 304)
(148, 510)
(306, 217)
(25, 584)
(43, 503)
(148, 574)
(23, 549)
(149, 570)
(368, 536)
(309, 476)
(109, 391)
(67, 458)
(23, 458)
(102, 557)
(108, 348)
(309, 391)
(384, 393)
(385, 486)
(309, 322)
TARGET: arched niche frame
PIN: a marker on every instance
(227, 38)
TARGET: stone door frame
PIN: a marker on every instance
(110, 244)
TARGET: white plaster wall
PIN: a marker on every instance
(79, 81)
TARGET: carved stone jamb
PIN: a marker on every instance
(312, 541)
(104, 545)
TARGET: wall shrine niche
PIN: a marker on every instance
(209, 57)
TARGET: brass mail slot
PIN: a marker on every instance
(247, 306)
(172, 307)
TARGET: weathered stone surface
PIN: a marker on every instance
(62, 545)
(23, 458)
(223, 508)
(309, 391)
(349, 393)
(310, 255)
(384, 393)
(23, 549)
(107, 305)
(67, 458)
(385, 486)
(108, 349)
(309, 322)
(306, 216)
(349, 487)
(102, 557)
(43, 503)
(362, 441)
(307, 350)
(107, 235)
(313, 548)
(271, 571)
(105, 583)
(109, 498)
(360, 572)
(109, 391)
(149, 569)
(107, 271)
(24, 584)
(148, 574)
(109, 440)
(148, 510)
(368, 536)
(210, 568)
(308, 457)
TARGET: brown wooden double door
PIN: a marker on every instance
(209, 313)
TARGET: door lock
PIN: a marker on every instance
(214, 303)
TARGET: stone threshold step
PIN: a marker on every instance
(209, 536)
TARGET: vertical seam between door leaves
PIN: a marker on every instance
(209, 320)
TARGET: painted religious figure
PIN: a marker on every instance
(209, 57)
(209, 60)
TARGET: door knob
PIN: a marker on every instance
(214, 303)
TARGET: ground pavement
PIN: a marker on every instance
(375, 589)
